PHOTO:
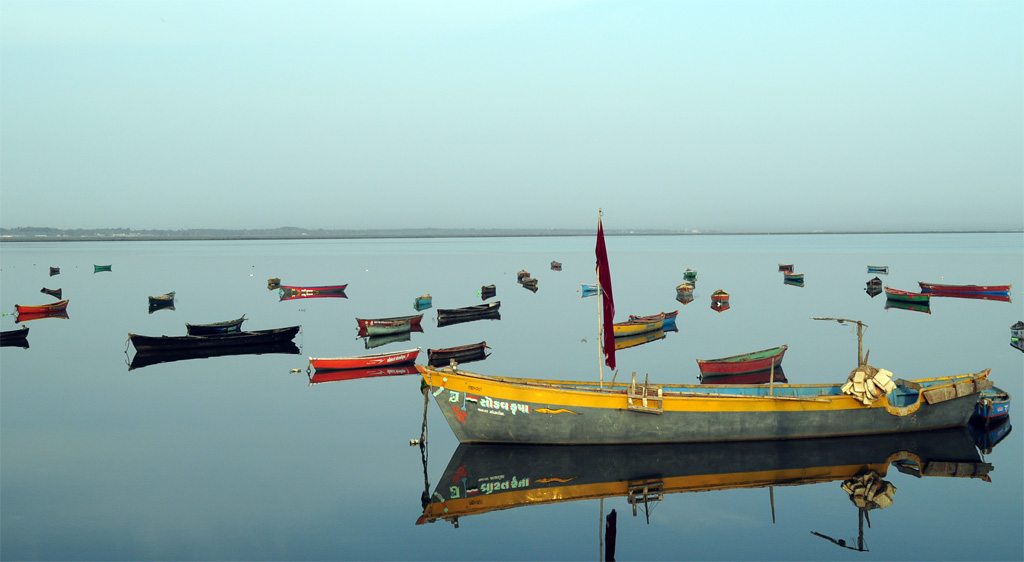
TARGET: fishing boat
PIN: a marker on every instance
(147, 357)
(743, 363)
(234, 339)
(639, 326)
(488, 291)
(626, 342)
(993, 403)
(905, 296)
(51, 308)
(720, 296)
(969, 289)
(556, 266)
(785, 267)
(523, 274)
(353, 374)
(273, 283)
(882, 269)
(391, 358)
(287, 292)
(460, 354)
(99, 268)
(790, 276)
(384, 326)
(55, 293)
(690, 275)
(589, 290)
(423, 302)
(530, 284)
(488, 311)
(225, 327)
(684, 287)
(1017, 330)
(166, 299)
(874, 287)
(54, 271)
(767, 376)
(481, 479)
(14, 338)
(669, 319)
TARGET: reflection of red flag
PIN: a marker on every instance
(604, 280)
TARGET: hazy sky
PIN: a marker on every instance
(715, 115)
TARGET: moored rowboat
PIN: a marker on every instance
(743, 363)
(639, 326)
(225, 327)
(14, 338)
(258, 337)
(993, 403)
(461, 354)
(883, 269)
(563, 412)
(51, 308)
(392, 358)
(971, 289)
(905, 296)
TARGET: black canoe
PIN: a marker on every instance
(225, 327)
(461, 354)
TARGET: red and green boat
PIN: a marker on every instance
(287, 292)
(938, 288)
(377, 360)
(906, 296)
(52, 308)
(744, 363)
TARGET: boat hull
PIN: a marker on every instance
(969, 289)
(52, 308)
(377, 360)
(287, 293)
(906, 296)
(482, 409)
(745, 363)
(237, 339)
(226, 327)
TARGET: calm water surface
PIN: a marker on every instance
(241, 458)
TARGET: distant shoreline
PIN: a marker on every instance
(125, 235)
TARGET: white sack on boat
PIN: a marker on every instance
(868, 384)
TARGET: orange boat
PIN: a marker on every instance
(59, 306)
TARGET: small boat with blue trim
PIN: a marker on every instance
(883, 269)
(906, 296)
(993, 403)
(939, 288)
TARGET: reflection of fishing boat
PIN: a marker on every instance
(992, 403)
(874, 287)
(794, 277)
(352, 374)
(54, 271)
(905, 296)
(233, 339)
(793, 282)
(391, 358)
(965, 289)
(55, 293)
(488, 291)
(639, 325)
(972, 296)
(14, 338)
(766, 376)
(160, 302)
(488, 311)
(99, 268)
(423, 302)
(987, 435)
(145, 358)
(578, 412)
(384, 326)
(27, 316)
(883, 269)
(460, 354)
(626, 342)
(225, 327)
(483, 478)
(287, 292)
(50, 309)
(530, 284)
(669, 319)
(743, 363)
(684, 298)
(913, 306)
(720, 306)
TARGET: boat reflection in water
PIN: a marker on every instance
(350, 374)
(377, 341)
(987, 435)
(481, 478)
(766, 376)
(153, 357)
(924, 307)
(626, 342)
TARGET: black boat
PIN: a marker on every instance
(449, 316)
(216, 328)
(487, 292)
(461, 354)
(55, 293)
(258, 337)
(153, 357)
(161, 302)
(14, 338)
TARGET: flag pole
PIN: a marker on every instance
(600, 318)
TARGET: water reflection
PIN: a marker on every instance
(626, 342)
(153, 357)
(482, 478)
(451, 316)
(319, 376)
(377, 341)
(924, 307)
(874, 287)
(766, 376)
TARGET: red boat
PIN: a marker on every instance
(965, 289)
(745, 363)
(287, 292)
(760, 377)
(26, 316)
(59, 306)
(384, 326)
(391, 358)
(350, 374)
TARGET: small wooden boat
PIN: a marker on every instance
(54, 271)
(790, 276)
(162, 300)
(147, 357)
(476, 312)
(992, 403)
(273, 283)
(669, 319)
(561, 412)
(51, 308)
(639, 326)
(55, 293)
(423, 302)
(626, 342)
(225, 327)
(684, 287)
(588, 290)
(522, 275)
(874, 287)
(487, 291)
(797, 282)
(743, 363)
(969, 289)
(883, 269)
(924, 307)
(785, 267)
(287, 292)
(234, 339)
(556, 266)
(720, 296)
(384, 326)
(99, 268)
(353, 374)
(377, 360)
(530, 283)
(14, 338)
(690, 275)
(905, 296)
(460, 354)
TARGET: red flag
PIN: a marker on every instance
(604, 280)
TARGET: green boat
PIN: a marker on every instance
(99, 268)
(906, 296)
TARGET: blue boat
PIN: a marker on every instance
(992, 403)
(883, 269)
(423, 302)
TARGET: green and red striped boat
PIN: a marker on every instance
(906, 296)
